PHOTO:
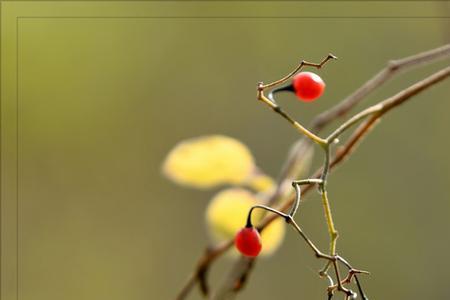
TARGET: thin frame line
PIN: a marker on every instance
(163, 17)
(17, 156)
(235, 17)
(224, 1)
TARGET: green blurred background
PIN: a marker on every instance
(102, 100)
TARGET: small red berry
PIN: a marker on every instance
(308, 86)
(248, 241)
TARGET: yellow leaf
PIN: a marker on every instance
(207, 161)
(300, 164)
(227, 213)
(260, 182)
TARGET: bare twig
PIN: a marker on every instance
(394, 67)
(382, 108)
(199, 274)
(270, 102)
(364, 128)
(244, 264)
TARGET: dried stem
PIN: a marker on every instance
(364, 128)
(199, 274)
(331, 259)
(276, 108)
(393, 68)
(382, 108)
(318, 123)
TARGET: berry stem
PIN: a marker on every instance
(290, 220)
(286, 88)
(276, 108)
(249, 216)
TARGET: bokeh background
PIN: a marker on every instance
(102, 101)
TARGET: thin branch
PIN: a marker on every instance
(245, 263)
(276, 108)
(363, 130)
(199, 274)
(298, 192)
(298, 68)
(393, 68)
(355, 119)
(388, 103)
(361, 291)
(190, 283)
(317, 124)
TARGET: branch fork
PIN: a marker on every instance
(370, 117)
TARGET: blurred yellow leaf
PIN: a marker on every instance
(208, 161)
(298, 165)
(260, 182)
(300, 158)
(227, 213)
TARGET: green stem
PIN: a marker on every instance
(331, 228)
(276, 108)
(353, 120)
(326, 206)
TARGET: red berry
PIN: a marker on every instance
(308, 86)
(248, 241)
